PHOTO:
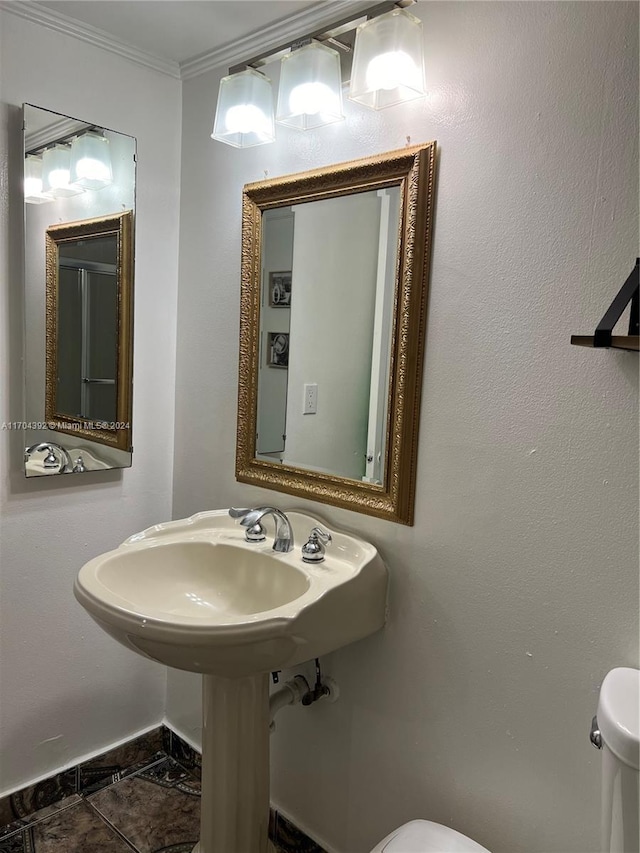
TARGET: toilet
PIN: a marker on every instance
(423, 836)
(616, 731)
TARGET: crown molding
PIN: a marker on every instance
(230, 54)
(30, 10)
(260, 42)
(56, 130)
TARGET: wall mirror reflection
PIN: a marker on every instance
(334, 293)
(79, 214)
(88, 352)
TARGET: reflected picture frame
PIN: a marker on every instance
(280, 289)
(278, 350)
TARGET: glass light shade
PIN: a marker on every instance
(91, 161)
(244, 115)
(56, 170)
(388, 60)
(310, 92)
(33, 180)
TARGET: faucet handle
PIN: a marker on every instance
(236, 512)
(313, 550)
(255, 532)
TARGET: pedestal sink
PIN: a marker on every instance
(193, 594)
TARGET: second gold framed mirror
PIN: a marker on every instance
(335, 275)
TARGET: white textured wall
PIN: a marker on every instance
(517, 588)
(67, 689)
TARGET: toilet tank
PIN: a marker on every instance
(618, 721)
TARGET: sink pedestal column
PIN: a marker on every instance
(235, 765)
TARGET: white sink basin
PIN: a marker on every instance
(193, 594)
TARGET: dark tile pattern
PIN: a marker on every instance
(273, 815)
(156, 810)
(290, 839)
(13, 844)
(180, 750)
(41, 814)
(35, 797)
(143, 797)
(75, 830)
(121, 761)
(83, 778)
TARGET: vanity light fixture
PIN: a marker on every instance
(244, 116)
(56, 172)
(388, 68)
(33, 180)
(310, 91)
(388, 61)
(90, 161)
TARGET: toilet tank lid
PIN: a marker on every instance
(619, 714)
(423, 836)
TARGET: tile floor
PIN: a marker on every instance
(142, 796)
(154, 810)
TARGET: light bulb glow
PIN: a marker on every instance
(391, 70)
(388, 60)
(56, 172)
(58, 178)
(244, 113)
(33, 186)
(90, 162)
(312, 99)
(93, 170)
(33, 193)
(246, 118)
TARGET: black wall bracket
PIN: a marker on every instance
(603, 336)
(627, 293)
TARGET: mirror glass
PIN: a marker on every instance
(325, 333)
(334, 293)
(79, 215)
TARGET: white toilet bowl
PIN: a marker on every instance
(423, 836)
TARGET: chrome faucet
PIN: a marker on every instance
(251, 518)
(50, 460)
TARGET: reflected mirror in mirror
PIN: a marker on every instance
(79, 212)
(334, 294)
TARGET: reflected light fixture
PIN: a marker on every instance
(388, 68)
(33, 180)
(56, 172)
(90, 167)
(310, 91)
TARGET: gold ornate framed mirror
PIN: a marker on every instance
(89, 287)
(335, 273)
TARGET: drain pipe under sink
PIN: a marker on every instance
(297, 690)
(290, 693)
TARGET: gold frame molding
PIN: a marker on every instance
(413, 170)
(121, 225)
